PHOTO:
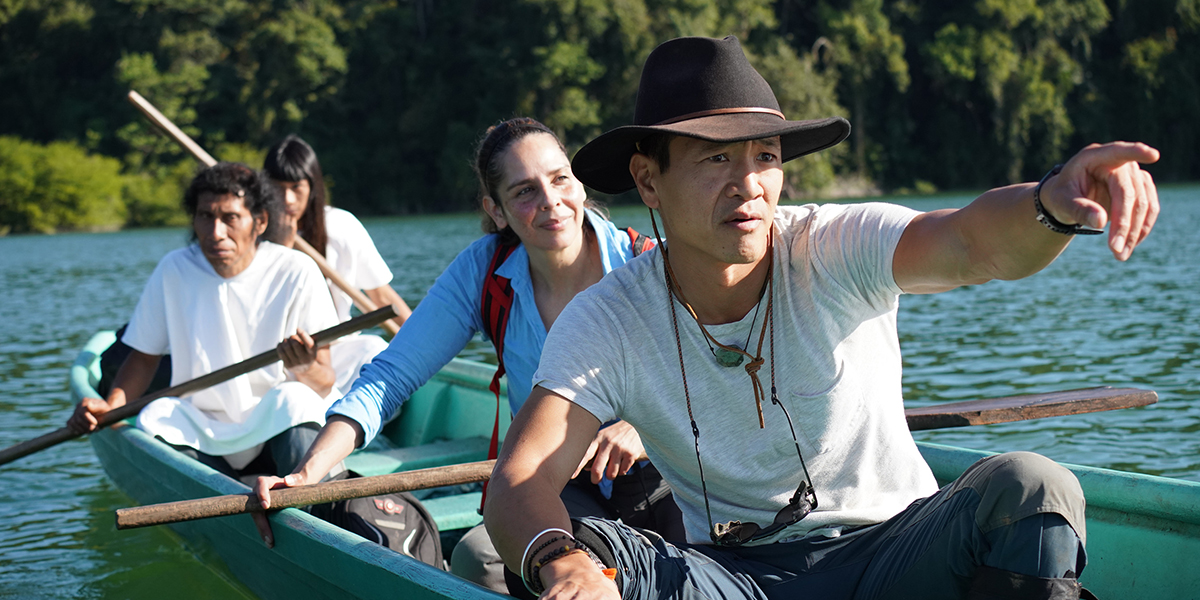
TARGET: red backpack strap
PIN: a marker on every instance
(640, 242)
(495, 304)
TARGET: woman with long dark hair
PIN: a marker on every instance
(555, 245)
(341, 239)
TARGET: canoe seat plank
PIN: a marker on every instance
(460, 511)
(424, 456)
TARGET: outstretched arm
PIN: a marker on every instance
(998, 237)
(544, 445)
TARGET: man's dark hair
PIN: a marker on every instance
(259, 195)
(657, 147)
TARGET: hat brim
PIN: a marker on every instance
(603, 164)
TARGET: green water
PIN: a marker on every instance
(1086, 321)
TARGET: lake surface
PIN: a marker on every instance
(1085, 321)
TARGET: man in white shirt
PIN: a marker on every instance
(756, 354)
(224, 298)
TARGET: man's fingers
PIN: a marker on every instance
(587, 457)
(1152, 213)
(1116, 153)
(303, 337)
(1141, 208)
(1123, 196)
(600, 465)
(615, 468)
(264, 528)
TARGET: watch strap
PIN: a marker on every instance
(1050, 222)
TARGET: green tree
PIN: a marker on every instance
(1143, 83)
(868, 54)
(57, 187)
(1009, 67)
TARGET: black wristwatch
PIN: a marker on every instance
(1050, 222)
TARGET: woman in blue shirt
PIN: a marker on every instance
(529, 197)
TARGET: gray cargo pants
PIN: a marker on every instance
(1016, 513)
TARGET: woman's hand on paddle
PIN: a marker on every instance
(298, 352)
(1103, 184)
(263, 488)
(613, 452)
(336, 441)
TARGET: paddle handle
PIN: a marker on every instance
(321, 338)
(170, 129)
(360, 299)
(333, 491)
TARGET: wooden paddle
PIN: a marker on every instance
(332, 491)
(322, 338)
(360, 299)
(1021, 408)
(957, 414)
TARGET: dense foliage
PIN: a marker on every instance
(394, 94)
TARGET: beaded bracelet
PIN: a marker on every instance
(563, 551)
(553, 555)
(525, 555)
(525, 566)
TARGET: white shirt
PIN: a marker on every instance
(613, 352)
(352, 254)
(207, 322)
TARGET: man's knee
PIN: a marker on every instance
(1017, 485)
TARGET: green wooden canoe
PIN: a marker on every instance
(1143, 531)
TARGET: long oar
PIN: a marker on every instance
(333, 491)
(1022, 408)
(957, 414)
(322, 338)
(360, 299)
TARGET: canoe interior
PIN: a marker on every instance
(1143, 531)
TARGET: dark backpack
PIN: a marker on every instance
(396, 521)
(495, 304)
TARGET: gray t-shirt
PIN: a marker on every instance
(613, 352)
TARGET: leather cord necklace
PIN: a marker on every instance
(756, 361)
(805, 498)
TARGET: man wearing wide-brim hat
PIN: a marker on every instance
(756, 354)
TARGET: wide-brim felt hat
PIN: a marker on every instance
(703, 88)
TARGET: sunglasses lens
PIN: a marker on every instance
(733, 533)
(798, 508)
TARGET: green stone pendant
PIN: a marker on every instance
(727, 358)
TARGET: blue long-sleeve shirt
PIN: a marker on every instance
(448, 317)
